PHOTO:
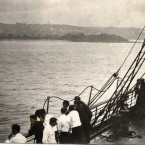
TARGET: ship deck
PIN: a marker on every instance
(136, 125)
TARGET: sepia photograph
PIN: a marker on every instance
(72, 72)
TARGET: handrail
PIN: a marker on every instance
(31, 138)
(99, 104)
(98, 107)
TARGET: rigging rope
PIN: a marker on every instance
(131, 49)
(102, 89)
(108, 82)
(98, 97)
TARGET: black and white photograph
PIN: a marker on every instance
(72, 72)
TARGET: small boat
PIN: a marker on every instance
(123, 103)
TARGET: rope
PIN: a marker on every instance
(119, 91)
(84, 90)
(97, 89)
(57, 98)
(98, 97)
(94, 98)
(51, 97)
(131, 49)
(102, 89)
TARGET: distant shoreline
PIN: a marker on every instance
(64, 40)
(78, 37)
(71, 37)
(22, 31)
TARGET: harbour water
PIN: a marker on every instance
(32, 70)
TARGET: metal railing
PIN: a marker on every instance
(97, 113)
(31, 139)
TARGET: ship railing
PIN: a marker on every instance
(96, 109)
(31, 139)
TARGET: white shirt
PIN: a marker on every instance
(47, 119)
(74, 119)
(38, 119)
(48, 134)
(18, 138)
(63, 123)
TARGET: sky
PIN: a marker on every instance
(88, 13)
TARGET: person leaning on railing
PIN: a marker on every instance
(86, 108)
(84, 120)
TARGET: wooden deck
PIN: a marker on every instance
(135, 125)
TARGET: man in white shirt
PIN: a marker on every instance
(16, 136)
(76, 136)
(49, 133)
(63, 127)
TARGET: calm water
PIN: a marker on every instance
(32, 70)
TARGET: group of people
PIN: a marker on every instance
(73, 126)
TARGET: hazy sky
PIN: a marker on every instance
(120, 13)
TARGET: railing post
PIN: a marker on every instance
(48, 104)
(90, 95)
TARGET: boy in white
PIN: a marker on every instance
(49, 133)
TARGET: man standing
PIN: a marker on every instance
(76, 136)
(36, 129)
(63, 127)
(86, 108)
(49, 133)
(16, 136)
(84, 120)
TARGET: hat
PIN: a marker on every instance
(77, 98)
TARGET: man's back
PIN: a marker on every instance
(74, 118)
(63, 123)
(83, 115)
(87, 110)
(48, 134)
(18, 138)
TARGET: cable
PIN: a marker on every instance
(131, 49)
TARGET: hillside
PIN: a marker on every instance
(52, 31)
(80, 37)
